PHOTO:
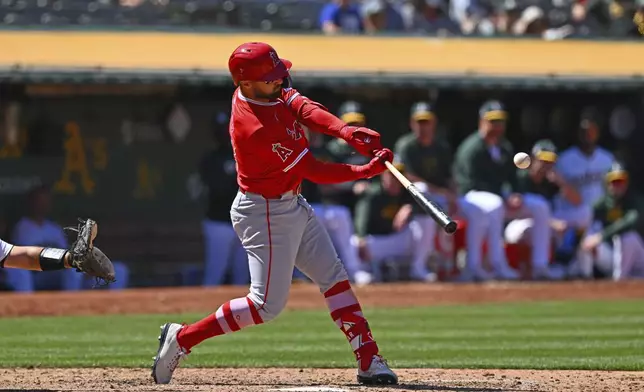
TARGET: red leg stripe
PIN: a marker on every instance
(257, 319)
(217, 329)
(230, 318)
(270, 252)
(336, 314)
(338, 288)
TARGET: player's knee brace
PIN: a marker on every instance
(52, 259)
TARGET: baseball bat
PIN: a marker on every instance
(437, 213)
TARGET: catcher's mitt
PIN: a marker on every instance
(87, 258)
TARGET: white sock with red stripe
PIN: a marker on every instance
(347, 314)
(230, 317)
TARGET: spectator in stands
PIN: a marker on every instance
(569, 19)
(341, 16)
(346, 193)
(478, 17)
(391, 227)
(532, 21)
(336, 217)
(638, 18)
(380, 16)
(131, 3)
(35, 229)
(615, 246)
(223, 250)
(612, 18)
(430, 17)
(597, 18)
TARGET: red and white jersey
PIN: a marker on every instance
(268, 142)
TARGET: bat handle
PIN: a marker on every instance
(401, 178)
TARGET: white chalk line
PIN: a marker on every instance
(310, 389)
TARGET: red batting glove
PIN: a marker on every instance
(377, 163)
(385, 154)
(362, 139)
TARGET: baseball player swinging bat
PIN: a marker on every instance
(437, 213)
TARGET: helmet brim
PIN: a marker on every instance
(279, 72)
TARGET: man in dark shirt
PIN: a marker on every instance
(223, 249)
(616, 247)
(483, 170)
(389, 226)
(533, 222)
(347, 193)
(341, 16)
(428, 163)
(426, 158)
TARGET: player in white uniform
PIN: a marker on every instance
(5, 250)
(583, 167)
(82, 255)
(483, 172)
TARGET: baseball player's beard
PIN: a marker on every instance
(274, 95)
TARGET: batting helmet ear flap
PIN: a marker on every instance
(287, 82)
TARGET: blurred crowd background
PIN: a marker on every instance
(549, 19)
(86, 130)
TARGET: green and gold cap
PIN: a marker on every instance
(422, 111)
(493, 110)
(351, 113)
(545, 150)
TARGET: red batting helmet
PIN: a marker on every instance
(257, 61)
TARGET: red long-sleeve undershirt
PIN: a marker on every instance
(327, 172)
(316, 118)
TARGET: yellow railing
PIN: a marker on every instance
(369, 55)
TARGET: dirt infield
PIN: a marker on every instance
(329, 380)
(305, 296)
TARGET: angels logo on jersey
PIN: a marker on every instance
(274, 57)
(282, 151)
(296, 132)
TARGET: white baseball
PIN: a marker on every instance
(522, 160)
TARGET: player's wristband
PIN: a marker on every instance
(52, 259)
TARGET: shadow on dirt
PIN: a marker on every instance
(417, 387)
(29, 390)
